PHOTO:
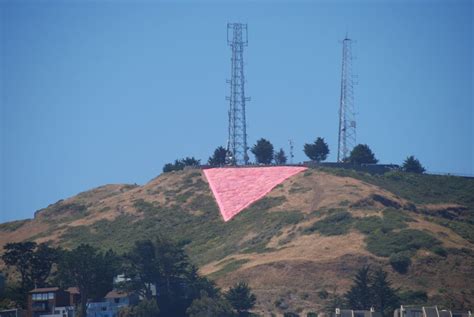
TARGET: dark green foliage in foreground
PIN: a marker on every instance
(90, 270)
(413, 297)
(179, 165)
(263, 151)
(33, 262)
(360, 294)
(385, 298)
(412, 165)
(146, 308)
(206, 306)
(317, 151)
(371, 288)
(240, 296)
(165, 264)
(362, 154)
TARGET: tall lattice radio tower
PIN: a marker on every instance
(237, 39)
(347, 122)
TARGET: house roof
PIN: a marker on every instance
(73, 290)
(45, 289)
(116, 294)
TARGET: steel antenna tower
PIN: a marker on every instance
(237, 39)
(347, 122)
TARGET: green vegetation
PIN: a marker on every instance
(412, 165)
(362, 154)
(219, 157)
(298, 189)
(207, 237)
(371, 288)
(280, 157)
(464, 229)
(13, 225)
(337, 223)
(180, 164)
(385, 244)
(316, 151)
(229, 267)
(263, 151)
(418, 188)
(400, 262)
(241, 298)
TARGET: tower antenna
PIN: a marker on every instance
(237, 39)
(290, 141)
(347, 122)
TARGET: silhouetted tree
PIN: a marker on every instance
(179, 165)
(372, 289)
(263, 151)
(218, 158)
(280, 157)
(362, 154)
(412, 165)
(317, 151)
(90, 270)
(33, 262)
(164, 264)
(385, 298)
(241, 298)
(360, 294)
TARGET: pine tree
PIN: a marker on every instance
(360, 296)
(412, 165)
(385, 298)
(218, 158)
(241, 298)
(317, 151)
(280, 157)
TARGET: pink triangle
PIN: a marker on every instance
(237, 188)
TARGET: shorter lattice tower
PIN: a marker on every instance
(347, 122)
(237, 39)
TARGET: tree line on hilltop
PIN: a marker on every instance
(317, 151)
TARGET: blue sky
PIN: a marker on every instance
(99, 92)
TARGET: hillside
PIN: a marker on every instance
(300, 245)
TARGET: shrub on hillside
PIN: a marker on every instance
(400, 262)
(385, 244)
(337, 223)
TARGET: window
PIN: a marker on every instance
(50, 295)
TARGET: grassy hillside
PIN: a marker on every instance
(300, 245)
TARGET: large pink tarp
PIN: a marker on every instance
(236, 188)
